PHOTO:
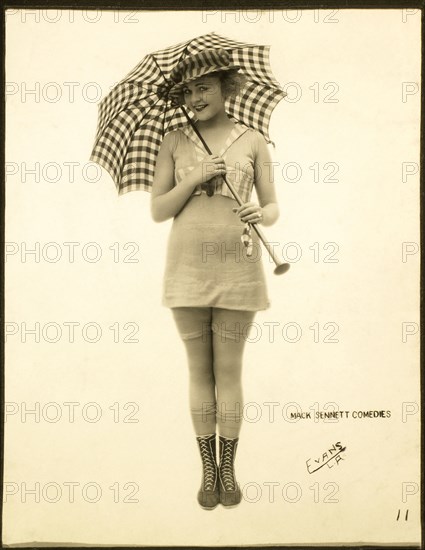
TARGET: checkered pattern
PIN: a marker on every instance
(205, 62)
(138, 112)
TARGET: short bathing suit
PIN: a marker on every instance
(207, 264)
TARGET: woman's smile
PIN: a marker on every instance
(204, 95)
(199, 108)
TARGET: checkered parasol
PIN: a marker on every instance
(138, 112)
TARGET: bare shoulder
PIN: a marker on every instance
(258, 136)
(258, 141)
(170, 140)
(171, 136)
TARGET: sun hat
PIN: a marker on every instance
(200, 64)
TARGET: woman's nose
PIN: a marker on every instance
(196, 96)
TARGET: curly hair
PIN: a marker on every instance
(232, 83)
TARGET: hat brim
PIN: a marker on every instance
(178, 88)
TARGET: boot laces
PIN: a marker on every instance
(226, 468)
(209, 465)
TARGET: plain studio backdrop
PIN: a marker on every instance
(99, 446)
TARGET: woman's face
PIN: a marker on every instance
(204, 96)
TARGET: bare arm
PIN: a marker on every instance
(168, 199)
(264, 185)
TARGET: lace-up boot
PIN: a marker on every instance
(230, 493)
(209, 493)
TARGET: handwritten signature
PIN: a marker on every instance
(330, 458)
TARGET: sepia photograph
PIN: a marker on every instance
(212, 277)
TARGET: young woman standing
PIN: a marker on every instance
(211, 283)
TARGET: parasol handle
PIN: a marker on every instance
(281, 267)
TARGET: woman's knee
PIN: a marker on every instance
(199, 355)
(227, 367)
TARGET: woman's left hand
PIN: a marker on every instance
(250, 212)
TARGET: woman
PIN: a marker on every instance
(211, 283)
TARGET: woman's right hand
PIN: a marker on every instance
(209, 167)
